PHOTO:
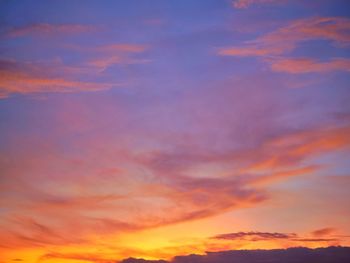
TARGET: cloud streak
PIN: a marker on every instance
(242, 4)
(254, 236)
(46, 29)
(276, 45)
(28, 78)
(305, 65)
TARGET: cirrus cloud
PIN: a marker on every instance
(274, 46)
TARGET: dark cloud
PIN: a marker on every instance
(290, 255)
(295, 255)
(316, 239)
(255, 236)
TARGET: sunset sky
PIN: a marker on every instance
(156, 128)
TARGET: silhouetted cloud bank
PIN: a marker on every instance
(290, 255)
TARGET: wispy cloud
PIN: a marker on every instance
(286, 39)
(43, 29)
(27, 78)
(109, 55)
(307, 65)
(275, 45)
(101, 57)
(129, 48)
(241, 4)
(324, 235)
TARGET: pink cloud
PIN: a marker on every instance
(240, 4)
(306, 65)
(323, 232)
(286, 39)
(22, 83)
(129, 48)
(27, 78)
(46, 29)
(105, 62)
(107, 55)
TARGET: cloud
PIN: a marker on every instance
(286, 39)
(282, 239)
(254, 236)
(22, 83)
(275, 158)
(27, 78)
(275, 45)
(327, 255)
(282, 175)
(117, 54)
(316, 239)
(101, 57)
(104, 63)
(289, 150)
(306, 65)
(48, 29)
(300, 254)
(129, 48)
(241, 4)
(323, 232)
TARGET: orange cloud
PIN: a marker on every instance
(250, 51)
(272, 177)
(289, 150)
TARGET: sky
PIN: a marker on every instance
(156, 128)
